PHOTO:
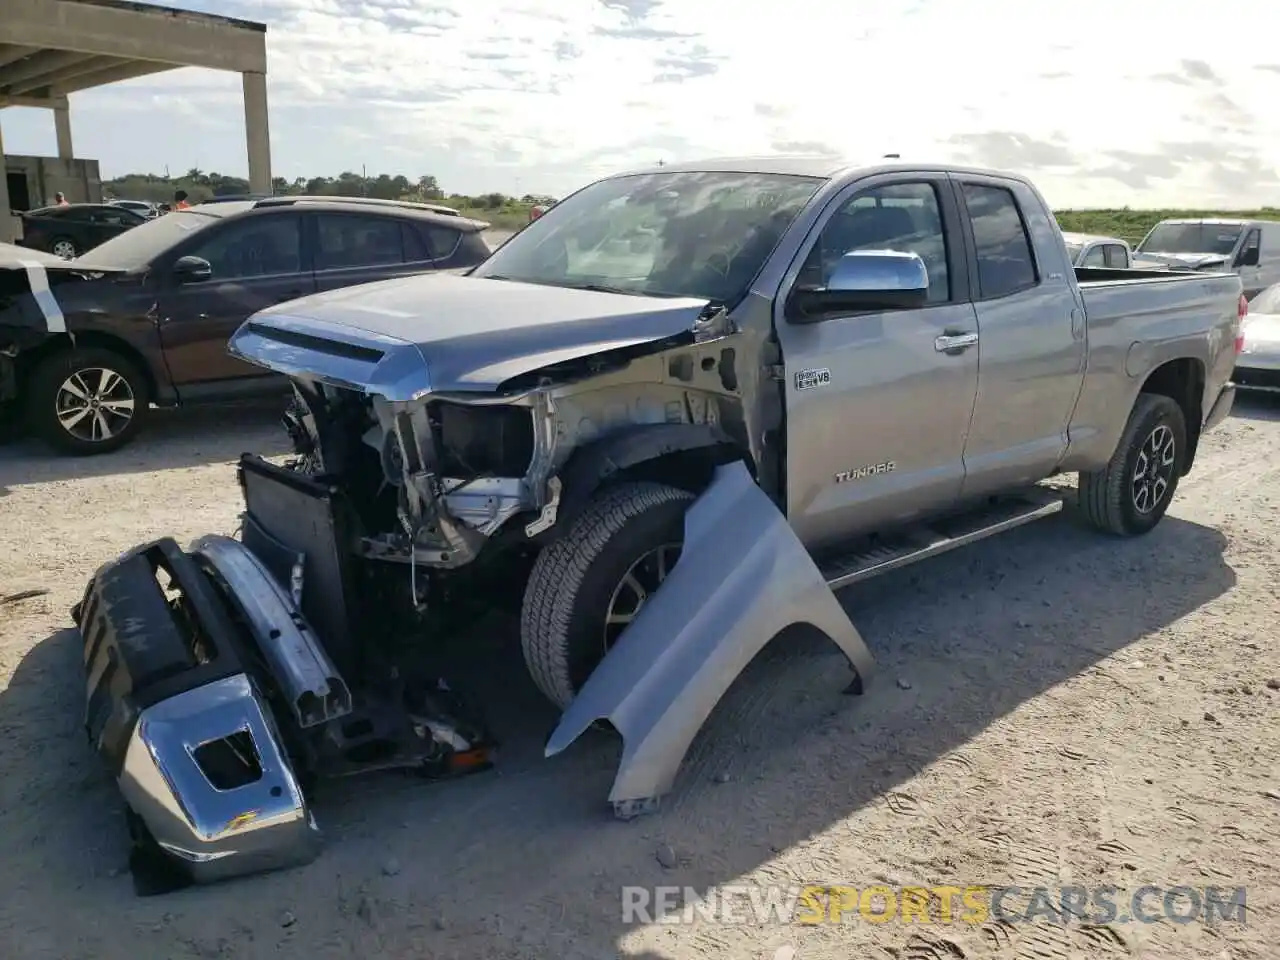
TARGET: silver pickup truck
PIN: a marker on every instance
(664, 421)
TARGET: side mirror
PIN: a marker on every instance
(1248, 258)
(192, 269)
(865, 280)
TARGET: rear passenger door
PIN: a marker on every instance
(877, 411)
(1031, 350)
(108, 222)
(354, 248)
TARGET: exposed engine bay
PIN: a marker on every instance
(439, 481)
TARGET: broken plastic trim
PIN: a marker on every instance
(743, 578)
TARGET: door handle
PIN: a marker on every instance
(291, 295)
(954, 342)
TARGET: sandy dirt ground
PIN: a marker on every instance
(1053, 708)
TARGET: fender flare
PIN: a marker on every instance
(594, 463)
(743, 578)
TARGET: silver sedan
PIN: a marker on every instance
(1258, 365)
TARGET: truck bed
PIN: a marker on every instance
(1138, 298)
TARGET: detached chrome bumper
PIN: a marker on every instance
(178, 720)
(212, 821)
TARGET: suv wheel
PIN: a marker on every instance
(587, 586)
(87, 401)
(64, 247)
(1131, 495)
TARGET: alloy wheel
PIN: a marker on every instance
(1153, 470)
(631, 594)
(94, 404)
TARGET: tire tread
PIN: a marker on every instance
(554, 584)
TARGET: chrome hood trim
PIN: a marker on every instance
(404, 338)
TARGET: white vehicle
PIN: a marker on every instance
(1250, 248)
(1258, 362)
(1088, 250)
(140, 207)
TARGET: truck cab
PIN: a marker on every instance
(1250, 248)
(1088, 250)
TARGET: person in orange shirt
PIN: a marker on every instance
(180, 200)
(59, 200)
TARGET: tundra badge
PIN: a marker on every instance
(808, 379)
(869, 471)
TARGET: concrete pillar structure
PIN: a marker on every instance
(62, 128)
(257, 132)
(8, 225)
(52, 48)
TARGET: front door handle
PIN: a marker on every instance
(954, 342)
(291, 295)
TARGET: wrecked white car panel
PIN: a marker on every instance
(742, 579)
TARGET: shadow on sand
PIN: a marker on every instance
(1256, 406)
(171, 439)
(979, 632)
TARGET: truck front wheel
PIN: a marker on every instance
(1130, 495)
(589, 584)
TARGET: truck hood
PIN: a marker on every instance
(404, 338)
(1187, 261)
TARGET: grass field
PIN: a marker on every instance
(1132, 225)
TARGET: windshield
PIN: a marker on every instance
(1215, 238)
(1073, 251)
(692, 234)
(1268, 301)
(139, 245)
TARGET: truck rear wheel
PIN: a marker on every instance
(87, 400)
(1131, 494)
(589, 584)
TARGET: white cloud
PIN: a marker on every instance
(1102, 103)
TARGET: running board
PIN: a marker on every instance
(939, 536)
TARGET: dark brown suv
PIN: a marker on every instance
(145, 317)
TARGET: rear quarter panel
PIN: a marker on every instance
(1135, 327)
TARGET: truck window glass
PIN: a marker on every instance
(441, 241)
(351, 241)
(1096, 257)
(1005, 261)
(1115, 256)
(1202, 238)
(702, 234)
(255, 247)
(141, 245)
(902, 216)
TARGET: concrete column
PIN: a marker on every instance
(257, 132)
(8, 225)
(62, 127)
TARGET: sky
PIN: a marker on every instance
(1168, 103)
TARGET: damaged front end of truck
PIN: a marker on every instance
(436, 456)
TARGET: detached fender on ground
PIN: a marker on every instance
(743, 578)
